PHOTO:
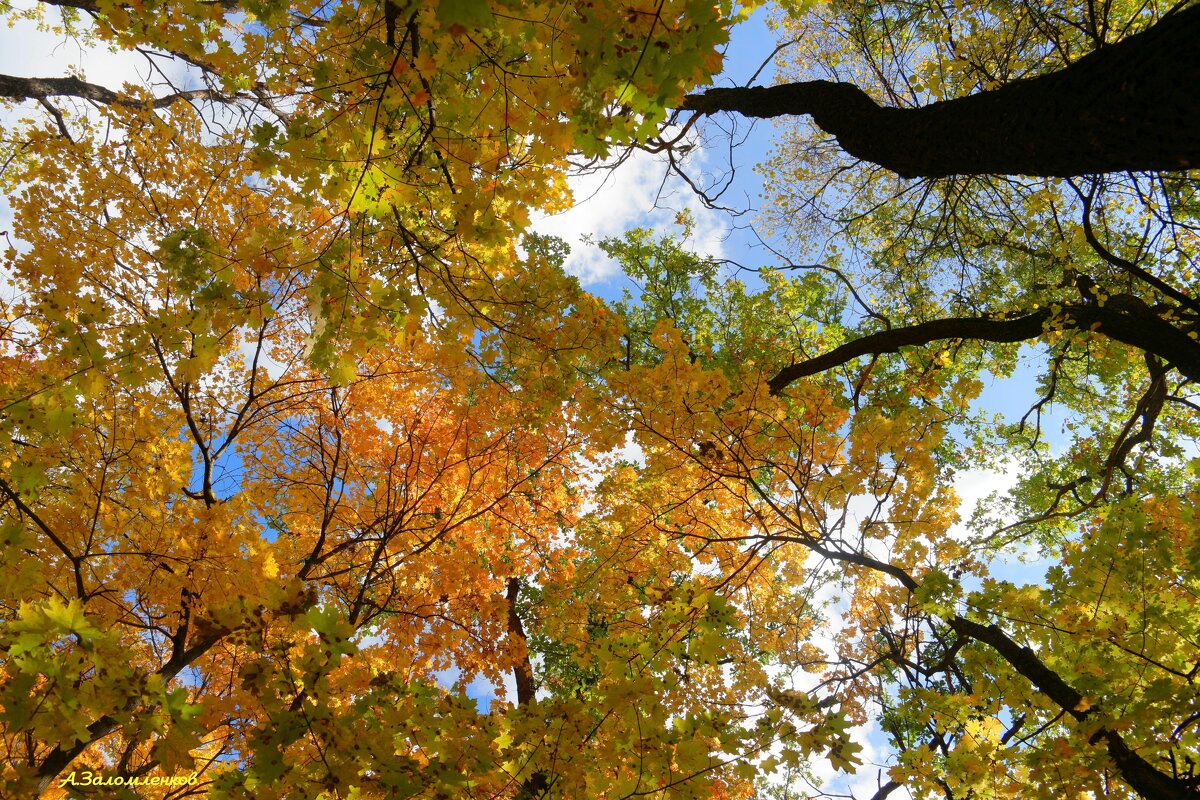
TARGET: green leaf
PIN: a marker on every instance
(468, 13)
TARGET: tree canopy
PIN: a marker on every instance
(306, 430)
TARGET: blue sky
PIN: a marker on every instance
(640, 193)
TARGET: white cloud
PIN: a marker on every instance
(973, 486)
(635, 193)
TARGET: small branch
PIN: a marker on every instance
(58, 118)
(76, 560)
(1124, 264)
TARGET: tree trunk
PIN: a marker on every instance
(1133, 105)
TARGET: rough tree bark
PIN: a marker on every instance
(1133, 105)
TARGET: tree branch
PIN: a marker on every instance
(16, 88)
(1130, 106)
(1135, 770)
(1121, 317)
(524, 670)
(91, 7)
(1147, 781)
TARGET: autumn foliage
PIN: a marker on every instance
(303, 431)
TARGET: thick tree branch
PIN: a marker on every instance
(1135, 770)
(1147, 781)
(1129, 106)
(91, 7)
(885, 790)
(524, 670)
(16, 88)
(1121, 317)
